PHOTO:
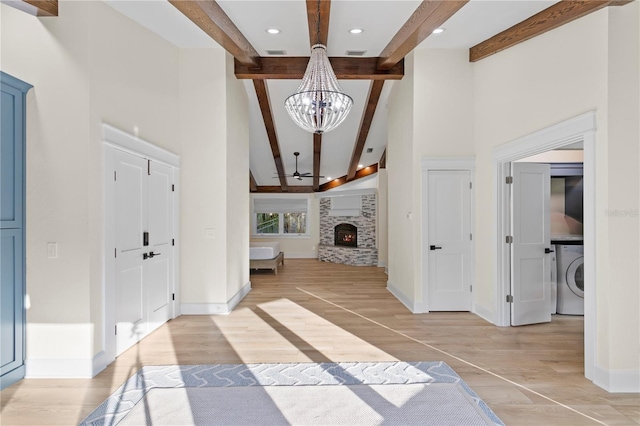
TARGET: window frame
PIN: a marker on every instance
(281, 233)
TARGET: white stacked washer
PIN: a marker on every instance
(570, 260)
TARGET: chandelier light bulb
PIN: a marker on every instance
(319, 105)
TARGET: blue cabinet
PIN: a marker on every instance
(12, 232)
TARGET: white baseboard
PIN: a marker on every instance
(483, 313)
(414, 307)
(100, 362)
(617, 381)
(382, 265)
(301, 255)
(59, 368)
(237, 298)
(215, 308)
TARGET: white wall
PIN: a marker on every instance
(443, 127)
(83, 73)
(237, 183)
(382, 225)
(528, 87)
(401, 201)
(133, 86)
(430, 114)
(203, 131)
(92, 65)
(58, 321)
(586, 65)
(618, 315)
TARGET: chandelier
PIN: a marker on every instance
(319, 105)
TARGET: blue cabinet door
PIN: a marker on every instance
(12, 232)
(11, 306)
(11, 158)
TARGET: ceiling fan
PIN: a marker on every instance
(297, 174)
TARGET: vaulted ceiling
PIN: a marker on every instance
(367, 64)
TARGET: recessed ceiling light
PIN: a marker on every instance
(356, 30)
(328, 177)
(438, 31)
(360, 166)
(273, 31)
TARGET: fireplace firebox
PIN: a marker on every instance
(346, 235)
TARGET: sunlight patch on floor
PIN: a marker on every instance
(246, 332)
(331, 342)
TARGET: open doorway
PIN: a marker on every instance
(565, 253)
(578, 130)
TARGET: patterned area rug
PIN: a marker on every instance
(136, 389)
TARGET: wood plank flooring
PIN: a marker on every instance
(314, 312)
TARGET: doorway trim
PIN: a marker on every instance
(463, 163)
(114, 138)
(578, 129)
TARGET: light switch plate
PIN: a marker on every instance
(52, 250)
(210, 233)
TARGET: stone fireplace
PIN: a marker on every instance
(349, 238)
(346, 235)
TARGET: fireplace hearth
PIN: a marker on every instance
(346, 235)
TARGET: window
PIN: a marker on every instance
(280, 216)
(268, 223)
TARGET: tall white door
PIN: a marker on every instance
(144, 251)
(131, 221)
(159, 267)
(449, 234)
(530, 257)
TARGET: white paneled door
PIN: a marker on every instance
(144, 252)
(449, 235)
(530, 251)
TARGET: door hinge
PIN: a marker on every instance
(470, 237)
(509, 179)
(509, 298)
(471, 289)
(509, 239)
(173, 242)
(116, 329)
(115, 252)
(470, 185)
(115, 175)
(173, 188)
(173, 296)
(149, 167)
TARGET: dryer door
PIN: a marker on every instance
(575, 276)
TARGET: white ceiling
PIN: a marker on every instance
(380, 19)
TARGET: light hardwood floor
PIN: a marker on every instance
(315, 312)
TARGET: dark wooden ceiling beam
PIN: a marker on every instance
(365, 124)
(278, 189)
(293, 68)
(318, 11)
(364, 172)
(209, 16)
(265, 107)
(552, 17)
(42, 7)
(426, 18)
(317, 147)
(383, 160)
(253, 186)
